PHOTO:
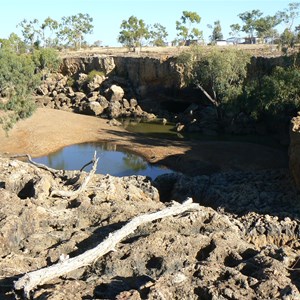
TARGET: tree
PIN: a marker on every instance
(287, 39)
(217, 31)
(297, 33)
(289, 15)
(158, 34)
(250, 19)
(274, 95)
(218, 74)
(133, 32)
(73, 29)
(52, 26)
(30, 31)
(185, 29)
(265, 26)
(46, 60)
(235, 30)
(18, 79)
(13, 43)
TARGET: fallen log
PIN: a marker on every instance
(31, 280)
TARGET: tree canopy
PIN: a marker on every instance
(185, 29)
(250, 18)
(133, 32)
(218, 74)
(216, 31)
(70, 31)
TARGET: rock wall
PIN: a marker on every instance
(294, 151)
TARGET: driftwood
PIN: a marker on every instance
(41, 166)
(31, 280)
(74, 194)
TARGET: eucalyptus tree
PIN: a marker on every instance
(218, 74)
(290, 14)
(185, 29)
(158, 34)
(31, 31)
(13, 43)
(235, 31)
(133, 32)
(49, 31)
(74, 28)
(265, 26)
(216, 31)
(250, 21)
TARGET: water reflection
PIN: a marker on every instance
(111, 161)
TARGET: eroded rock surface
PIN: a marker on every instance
(242, 244)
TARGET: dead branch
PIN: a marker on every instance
(41, 166)
(74, 194)
(31, 280)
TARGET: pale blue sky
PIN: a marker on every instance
(108, 14)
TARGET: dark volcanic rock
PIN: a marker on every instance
(232, 250)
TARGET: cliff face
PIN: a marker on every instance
(294, 151)
(146, 75)
(152, 76)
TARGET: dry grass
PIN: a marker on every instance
(164, 52)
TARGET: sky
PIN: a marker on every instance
(108, 14)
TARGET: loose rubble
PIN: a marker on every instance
(96, 96)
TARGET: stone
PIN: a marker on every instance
(95, 82)
(114, 109)
(234, 251)
(114, 93)
(92, 108)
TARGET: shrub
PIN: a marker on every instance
(274, 95)
(92, 74)
(17, 83)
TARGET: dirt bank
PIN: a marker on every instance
(49, 130)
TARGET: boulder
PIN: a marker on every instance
(114, 109)
(78, 97)
(103, 102)
(294, 150)
(93, 96)
(95, 83)
(114, 93)
(92, 108)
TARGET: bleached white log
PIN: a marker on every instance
(31, 280)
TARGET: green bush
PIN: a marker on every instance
(218, 73)
(46, 60)
(92, 74)
(18, 80)
(274, 95)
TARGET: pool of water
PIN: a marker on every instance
(111, 160)
(160, 131)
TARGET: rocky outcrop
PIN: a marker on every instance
(242, 247)
(294, 150)
(96, 96)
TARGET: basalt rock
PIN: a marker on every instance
(242, 244)
(97, 97)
